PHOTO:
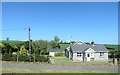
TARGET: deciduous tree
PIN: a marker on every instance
(56, 39)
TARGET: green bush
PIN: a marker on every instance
(23, 58)
(14, 58)
(41, 58)
(7, 57)
(59, 54)
(119, 63)
(38, 58)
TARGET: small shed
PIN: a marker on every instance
(55, 50)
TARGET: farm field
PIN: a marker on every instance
(64, 46)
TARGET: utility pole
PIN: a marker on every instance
(83, 57)
(29, 43)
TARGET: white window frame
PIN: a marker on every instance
(102, 54)
(79, 54)
(91, 54)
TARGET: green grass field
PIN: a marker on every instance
(111, 46)
(64, 46)
(66, 61)
(16, 70)
(62, 60)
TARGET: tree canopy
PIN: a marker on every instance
(56, 39)
(40, 46)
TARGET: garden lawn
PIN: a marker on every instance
(66, 61)
(62, 60)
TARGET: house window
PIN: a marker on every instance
(101, 54)
(91, 54)
(79, 54)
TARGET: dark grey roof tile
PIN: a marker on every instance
(56, 50)
(96, 47)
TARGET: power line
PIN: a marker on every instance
(13, 29)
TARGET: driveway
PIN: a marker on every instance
(58, 67)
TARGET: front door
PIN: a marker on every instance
(88, 56)
(89, 53)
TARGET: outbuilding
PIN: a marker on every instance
(54, 50)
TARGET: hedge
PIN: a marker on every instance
(23, 58)
(59, 54)
(38, 58)
(7, 57)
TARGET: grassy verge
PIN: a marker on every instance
(16, 70)
(66, 61)
(20, 62)
(61, 60)
(97, 63)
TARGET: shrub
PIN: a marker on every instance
(23, 58)
(59, 54)
(7, 57)
(40, 58)
(119, 63)
(14, 58)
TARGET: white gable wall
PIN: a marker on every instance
(89, 50)
(52, 54)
